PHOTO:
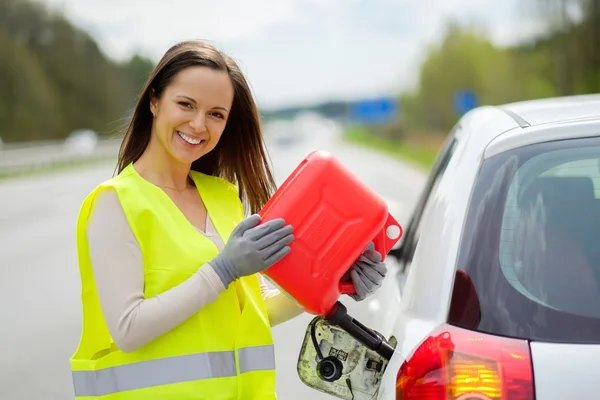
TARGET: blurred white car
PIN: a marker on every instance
(500, 261)
(81, 141)
(281, 132)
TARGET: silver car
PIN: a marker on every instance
(499, 279)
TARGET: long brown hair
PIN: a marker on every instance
(240, 156)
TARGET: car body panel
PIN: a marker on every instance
(554, 110)
(587, 127)
(565, 371)
(427, 285)
(426, 293)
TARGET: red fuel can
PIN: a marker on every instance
(335, 216)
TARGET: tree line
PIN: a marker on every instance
(564, 60)
(54, 78)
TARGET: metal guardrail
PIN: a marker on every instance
(21, 158)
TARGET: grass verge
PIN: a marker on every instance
(420, 156)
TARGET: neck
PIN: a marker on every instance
(157, 167)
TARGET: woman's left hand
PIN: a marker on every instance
(367, 273)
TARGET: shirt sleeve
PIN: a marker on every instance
(116, 258)
(280, 307)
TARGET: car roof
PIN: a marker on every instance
(553, 110)
(495, 128)
(540, 120)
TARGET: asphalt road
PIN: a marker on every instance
(39, 289)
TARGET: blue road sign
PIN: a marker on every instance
(464, 101)
(375, 111)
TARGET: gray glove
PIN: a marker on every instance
(367, 273)
(251, 248)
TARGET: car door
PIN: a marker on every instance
(404, 253)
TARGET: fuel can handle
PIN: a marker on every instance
(347, 288)
(389, 235)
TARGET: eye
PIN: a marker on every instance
(185, 104)
(218, 115)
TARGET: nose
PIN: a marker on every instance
(198, 124)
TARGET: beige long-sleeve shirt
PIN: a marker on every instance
(134, 320)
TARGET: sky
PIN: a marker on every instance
(297, 52)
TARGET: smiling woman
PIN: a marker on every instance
(174, 303)
(200, 94)
(191, 114)
(168, 263)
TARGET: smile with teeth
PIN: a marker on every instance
(189, 139)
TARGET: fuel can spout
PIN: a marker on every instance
(373, 341)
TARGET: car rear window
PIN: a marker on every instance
(531, 245)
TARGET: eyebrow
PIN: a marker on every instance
(194, 101)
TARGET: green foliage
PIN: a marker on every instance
(421, 156)
(329, 109)
(563, 62)
(28, 99)
(54, 78)
(465, 59)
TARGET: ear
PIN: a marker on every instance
(153, 102)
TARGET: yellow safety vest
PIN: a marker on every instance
(224, 351)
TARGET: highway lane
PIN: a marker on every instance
(39, 289)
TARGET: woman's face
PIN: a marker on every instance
(191, 114)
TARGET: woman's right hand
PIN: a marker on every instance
(252, 248)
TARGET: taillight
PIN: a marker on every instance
(456, 364)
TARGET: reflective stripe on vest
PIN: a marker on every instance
(165, 371)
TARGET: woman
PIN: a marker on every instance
(174, 305)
